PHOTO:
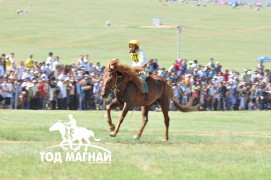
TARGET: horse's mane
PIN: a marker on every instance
(129, 73)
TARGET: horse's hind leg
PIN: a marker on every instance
(145, 111)
(165, 107)
(113, 104)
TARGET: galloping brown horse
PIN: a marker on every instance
(128, 88)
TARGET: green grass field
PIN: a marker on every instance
(202, 145)
(235, 38)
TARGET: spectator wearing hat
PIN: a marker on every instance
(190, 67)
(22, 100)
(246, 77)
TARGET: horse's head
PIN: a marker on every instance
(57, 126)
(110, 79)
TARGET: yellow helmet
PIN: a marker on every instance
(135, 42)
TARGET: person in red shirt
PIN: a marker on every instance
(42, 92)
(226, 75)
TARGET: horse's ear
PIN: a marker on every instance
(119, 74)
(111, 67)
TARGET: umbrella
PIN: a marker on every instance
(264, 59)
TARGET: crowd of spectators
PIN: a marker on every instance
(52, 85)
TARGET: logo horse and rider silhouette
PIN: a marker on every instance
(71, 133)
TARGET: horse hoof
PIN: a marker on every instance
(136, 137)
(112, 134)
(112, 128)
(165, 140)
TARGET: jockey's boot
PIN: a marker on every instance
(146, 96)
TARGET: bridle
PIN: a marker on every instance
(113, 88)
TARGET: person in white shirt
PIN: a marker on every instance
(80, 62)
(87, 66)
(46, 69)
(12, 60)
(27, 75)
(62, 103)
(50, 60)
(56, 63)
(7, 89)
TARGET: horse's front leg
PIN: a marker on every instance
(113, 104)
(123, 114)
(62, 144)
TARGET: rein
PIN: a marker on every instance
(113, 88)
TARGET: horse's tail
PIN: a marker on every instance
(185, 108)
